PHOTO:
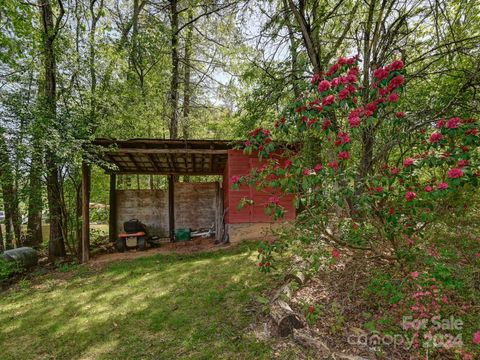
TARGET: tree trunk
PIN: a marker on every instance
(187, 88)
(78, 220)
(1, 238)
(313, 49)
(10, 197)
(293, 51)
(187, 75)
(174, 74)
(34, 227)
(56, 247)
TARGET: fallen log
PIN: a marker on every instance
(305, 339)
(284, 318)
(298, 272)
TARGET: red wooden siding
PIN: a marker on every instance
(240, 164)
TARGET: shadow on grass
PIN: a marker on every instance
(159, 307)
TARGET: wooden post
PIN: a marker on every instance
(112, 223)
(171, 207)
(85, 212)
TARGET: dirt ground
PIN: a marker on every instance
(187, 247)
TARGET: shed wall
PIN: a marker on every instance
(195, 207)
(240, 164)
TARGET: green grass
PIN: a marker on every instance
(159, 307)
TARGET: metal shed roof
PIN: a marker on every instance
(163, 157)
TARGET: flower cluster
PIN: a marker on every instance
(259, 140)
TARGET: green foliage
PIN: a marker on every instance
(8, 269)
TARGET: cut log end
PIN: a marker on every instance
(284, 317)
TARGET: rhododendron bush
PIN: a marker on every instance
(376, 179)
(369, 176)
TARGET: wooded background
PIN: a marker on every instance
(74, 70)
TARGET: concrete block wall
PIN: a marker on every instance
(195, 207)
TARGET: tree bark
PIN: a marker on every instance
(293, 51)
(307, 34)
(174, 73)
(186, 76)
(34, 226)
(50, 28)
(10, 197)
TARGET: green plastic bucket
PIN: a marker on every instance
(182, 234)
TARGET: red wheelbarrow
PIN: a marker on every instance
(131, 240)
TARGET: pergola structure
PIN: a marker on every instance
(149, 157)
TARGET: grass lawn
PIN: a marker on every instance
(158, 307)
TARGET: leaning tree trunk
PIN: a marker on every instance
(50, 28)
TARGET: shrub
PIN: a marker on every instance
(7, 269)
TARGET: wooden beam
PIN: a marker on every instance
(166, 151)
(132, 159)
(112, 221)
(152, 161)
(177, 173)
(171, 207)
(85, 248)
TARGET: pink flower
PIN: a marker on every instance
(428, 188)
(395, 171)
(333, 165)
(306, 171)
(288, 163)
(453, 123)
(314, 78)
(396, 65)
(400, 114)
(318, 168)
(344, 155)
(393, 97)
(476, 338)
(380, 74)
(343, 137)
(462, 163)
(441, 123)
(442, 186)
(435, 137)
(354, 121)
(343, 94)
(455, 173)
(414, 274)
(248, 143)
(410, 195)
(330, 99)
(371, 107)
(323, 85)
(408, 162)
(235, 179)
(326, 124)
(396, 82)
(335, 253)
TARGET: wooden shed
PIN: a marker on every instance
(184, 204)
